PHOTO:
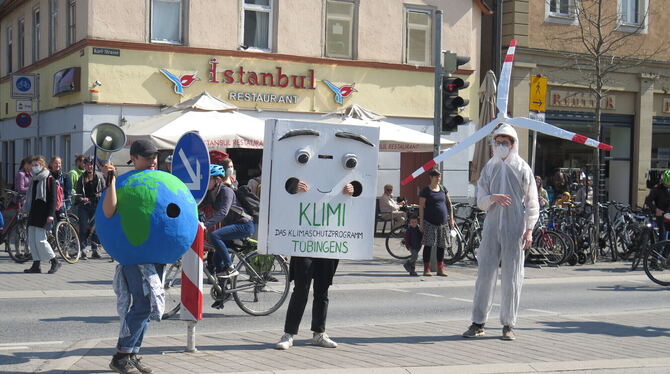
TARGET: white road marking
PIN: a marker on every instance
(58, 342)
(13, 348)
(429, 294)
(459, 299)
(398, 290)
(541, 311)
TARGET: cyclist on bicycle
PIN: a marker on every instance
(229, 214)
(89, 187)
(659, 201)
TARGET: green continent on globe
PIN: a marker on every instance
(136, 212)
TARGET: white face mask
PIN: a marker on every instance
(36, 169)
(230, 172)
(500, 151)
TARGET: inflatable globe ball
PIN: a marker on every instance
(156, 219)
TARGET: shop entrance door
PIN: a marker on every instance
(409, 162)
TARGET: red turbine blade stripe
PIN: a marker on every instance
(605, 147)
(406, 180)
(509, 58)
(428, 165)
(579, 138)
(512, 43)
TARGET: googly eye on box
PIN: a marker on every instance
(322, 179)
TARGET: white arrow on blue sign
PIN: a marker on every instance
(190, 163)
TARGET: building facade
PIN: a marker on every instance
(100, 61)
(636, 107)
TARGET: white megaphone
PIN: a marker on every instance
(107, 138)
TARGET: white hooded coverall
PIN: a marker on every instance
(503, 230)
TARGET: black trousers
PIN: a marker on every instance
(302, 271)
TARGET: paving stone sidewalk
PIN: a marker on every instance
(626, 342)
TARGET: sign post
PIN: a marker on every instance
(537, 106)
(191, 165)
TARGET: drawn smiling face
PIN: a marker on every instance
(324, 166)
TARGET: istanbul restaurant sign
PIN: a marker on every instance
(276, 78)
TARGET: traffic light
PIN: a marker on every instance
(452, 103)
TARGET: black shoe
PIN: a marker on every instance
(137, 362)
(55, 265)
(83, 255)
(123, 365)
(218, 304)
(35, 268)
(95, 255)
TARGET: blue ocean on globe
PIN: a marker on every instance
(156, 219)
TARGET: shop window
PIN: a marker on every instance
(560, 11)
(8, 166)
(50, 148)
(71, 22)
(418, 30)
(21, 43)
(27, 149)
(257, 17)
(36, 34)
(340, 16)
(632, 15)
(167, 21)
(65, 152)
(9, 48)
(53, 17)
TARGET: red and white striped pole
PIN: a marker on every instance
(191, 286)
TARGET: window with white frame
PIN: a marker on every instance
(71, 22)
(9, 48)
(50, 151)
(27, 148)
(53, 17)
(166, 21)
(632, 12)
(257, 24)
(340, 18)
(36, 34)
(21, 43)
(418, 41)
(560, 11)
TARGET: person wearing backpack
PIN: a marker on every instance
(227, 212)
(88, 189)
(56, 168)
(41, 208)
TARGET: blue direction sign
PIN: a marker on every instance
(23, 119)
(190, 163)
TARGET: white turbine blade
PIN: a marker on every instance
(465, 143)
(558, 132)
(505, 78)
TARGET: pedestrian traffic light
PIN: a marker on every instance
(452, 103)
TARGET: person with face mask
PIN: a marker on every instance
(41, 208)
(225, 222)
(23, 177)
(56, 169)
(89, 187)
(658, 201)
(508, 193)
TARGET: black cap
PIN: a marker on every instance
(143, 147)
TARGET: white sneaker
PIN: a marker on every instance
(285, 342)
(321, 339)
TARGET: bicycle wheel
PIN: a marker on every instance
(395, 243)
(473, 245)
(67, 242)
(262, 285)
(17, 243)
(657, 263)
(551, 248)
(172, 288)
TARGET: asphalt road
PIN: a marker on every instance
(69, 319)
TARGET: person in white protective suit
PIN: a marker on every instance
(508, 194)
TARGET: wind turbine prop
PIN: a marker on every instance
(501, 104)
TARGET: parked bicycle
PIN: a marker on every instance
(260, 288)
(15, 233)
